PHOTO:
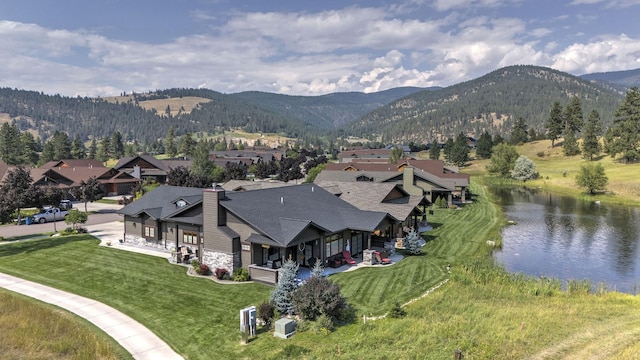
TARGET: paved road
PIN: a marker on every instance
(99, 214)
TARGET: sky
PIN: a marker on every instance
(297, 47)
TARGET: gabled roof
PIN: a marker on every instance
(382, 176)
(246, 185)
(127, 162)
(385, 197)
(283, 213)
(161, 202)
(72, 163)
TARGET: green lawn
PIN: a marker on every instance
(482, 310)
(35, 330)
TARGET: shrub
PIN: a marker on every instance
(317, 296)
(240, 274)
(325, 323)
(203, 269)
(221, 273)
(397, 311)
(540, 154)
(576, 287)
(266, 312)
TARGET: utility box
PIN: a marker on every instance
(248, 318)
(285, 328)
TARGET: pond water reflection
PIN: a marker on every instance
(565, 238)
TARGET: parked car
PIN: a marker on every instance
(65, 204)
(49, 214)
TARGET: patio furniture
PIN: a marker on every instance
(380, 259)
(347, 257)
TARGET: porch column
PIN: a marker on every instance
(450, 199)
(369, 241)
(463, 194)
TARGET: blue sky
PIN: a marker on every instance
(106, 47)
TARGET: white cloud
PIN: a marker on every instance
(609, 53)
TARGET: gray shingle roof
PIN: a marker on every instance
(160, 203)
(283, 213)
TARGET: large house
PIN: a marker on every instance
(147, 167)
(428, 178)
(256, 229)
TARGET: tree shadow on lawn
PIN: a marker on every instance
(28, 246)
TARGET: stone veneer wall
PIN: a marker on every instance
(139, 240)
(367, 257)
(215, 260)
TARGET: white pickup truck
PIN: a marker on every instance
(49, 214)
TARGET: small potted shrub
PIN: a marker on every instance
(221, 273)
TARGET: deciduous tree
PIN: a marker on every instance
(503, 158)
(592, 177)
(524, 169)
(88, 191)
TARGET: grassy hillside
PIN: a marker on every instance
(558, 172)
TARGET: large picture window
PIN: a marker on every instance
(190, 237)
(149, 231)
(334, 245)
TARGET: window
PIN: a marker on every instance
(190, 237)
(149, 231)
(334, 245)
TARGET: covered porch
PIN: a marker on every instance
(330, 250)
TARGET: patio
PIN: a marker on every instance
(304, 273)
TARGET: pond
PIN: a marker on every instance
(565, 238)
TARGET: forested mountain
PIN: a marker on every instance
(492, 102)
(627, 78)
(326, 111)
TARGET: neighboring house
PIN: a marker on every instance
(70, 173)
(256, 229)
(246, 185)
(147, 167)
(386, 197)
(429, 178)
(248, 156)
(349, 155)
(113, 182)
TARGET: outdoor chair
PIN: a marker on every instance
(347, 257)
(380, 259)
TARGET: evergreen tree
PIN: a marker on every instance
(503, 158)
(434, 150)
(187, 145)
(570, 145)
(626, 128)
(93, 149)
(287, 284)
(460, 150)
(78, 150)
(554, 124)
(484, 146)
(412, 243)
(29, 154)
(532, 134)
(497, 139)
(170, 147)
(117, 146)
(519, 134)
(593, 128)
(48, 152)
(448, 149)
(573, 117)
(61, 145)
(524, 169)
(10, 146)
(317, 270)
(103, 154)
(201, 164)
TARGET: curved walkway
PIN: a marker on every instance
(139, 341)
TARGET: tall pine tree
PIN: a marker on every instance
(554, 123)
(592, 130)
(626, 128)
